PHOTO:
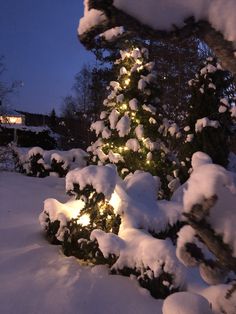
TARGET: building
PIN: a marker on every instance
(8, 116)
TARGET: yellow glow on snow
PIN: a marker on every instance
(74, 208)
(84, 220)
(115, 200)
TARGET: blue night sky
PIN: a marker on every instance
(39, 41)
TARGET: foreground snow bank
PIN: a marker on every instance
(37, 278)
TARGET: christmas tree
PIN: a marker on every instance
(132, 132)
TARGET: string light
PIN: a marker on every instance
(127, 81)
(123, 107)
(140, 68)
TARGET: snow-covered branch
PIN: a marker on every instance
(212, 21)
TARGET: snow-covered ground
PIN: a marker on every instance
(37, 278)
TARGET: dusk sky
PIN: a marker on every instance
(38, 39)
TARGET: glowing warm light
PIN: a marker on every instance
(137, 120)
(148, 162)
(140, 68)
(124, 107)
(84, 220)
(133, 114)
(11, 120)
(74, 207)
(138, 61)
(115, 201)
(120, 149)
(127, 81)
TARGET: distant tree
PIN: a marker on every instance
(53, 118)
(82, 88)
(69, 107)
(6, 89)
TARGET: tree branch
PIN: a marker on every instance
(196, 219)
(223, 49)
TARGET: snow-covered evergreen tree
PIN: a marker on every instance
(132, 131)
(209, 116)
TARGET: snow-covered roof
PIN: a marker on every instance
(10, 113)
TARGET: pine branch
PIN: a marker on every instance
(197, 220)
(223, 49)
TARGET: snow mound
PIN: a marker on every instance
(186, 303)
(209, 180)
(101, 178)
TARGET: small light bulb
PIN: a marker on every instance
(124, 107)
(127, 81)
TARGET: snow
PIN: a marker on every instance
(199, 159)
(73, 158)
(90, 19)
(112, 33)
(37, 278)
(139, 131)
(139, 250)
(207, 180)
(205, 122)
(123, 126)
(142, 84)
(133, 104)
(34, 274)
(133, 144)
(186, 303)
(98, 127)
(96, 176)
(113, 118)
(163, 14)
(149, 108)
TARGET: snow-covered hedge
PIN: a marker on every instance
(38, 162)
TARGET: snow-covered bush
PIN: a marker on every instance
(112, 223)
(38, 162)
(35, 165)
(119, 222)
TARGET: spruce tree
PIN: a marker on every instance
(209, 116)
(132, 131)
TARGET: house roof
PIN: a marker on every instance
(10, 113)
